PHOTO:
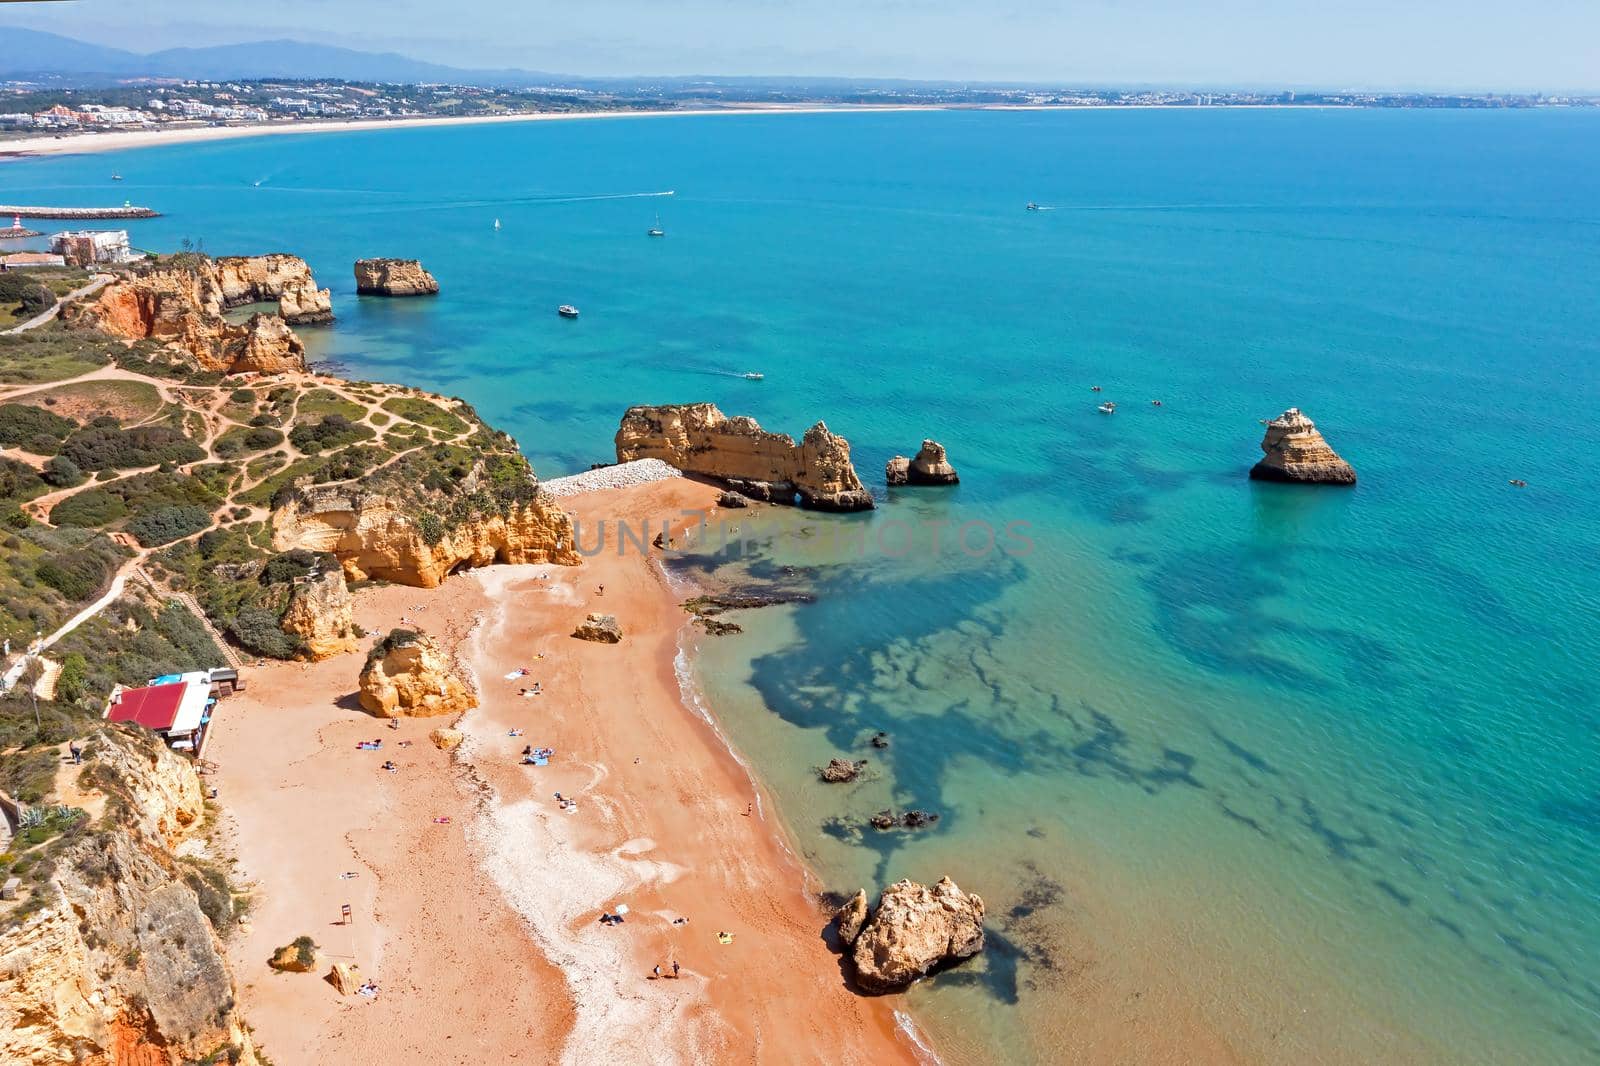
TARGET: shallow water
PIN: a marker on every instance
(1308, 770)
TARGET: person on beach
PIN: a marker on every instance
(657, 971)
(674, 969)
(76, 752)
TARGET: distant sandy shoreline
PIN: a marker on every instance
(88, 143)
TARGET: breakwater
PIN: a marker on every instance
(126, 211)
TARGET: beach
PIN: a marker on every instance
(483, 933)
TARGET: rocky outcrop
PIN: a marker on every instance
(850, 918)
(282, 279)
(394, 277)
(840, 771)
(732, 499)
(344, 977)
(600, 628)
(121, 965)
(408, 676)
(929, 467)
(1296, 452)
(180, 303)
(447, 739)
(299, 957)
(320, 613)
(374, 536)
(915, 930)
(697, 438)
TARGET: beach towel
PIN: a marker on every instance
(724, 938)
(513, 675)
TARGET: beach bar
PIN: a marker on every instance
(177, 706)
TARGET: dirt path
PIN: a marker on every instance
(100, 281)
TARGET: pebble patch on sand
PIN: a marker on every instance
(638, 472)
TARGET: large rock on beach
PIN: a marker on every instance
(915, 930)
(408, 676)
(600, 628)
(394, 277)
(697, 438)
(851, 917)
(320, 614)
(346, 977)
(1296, 452)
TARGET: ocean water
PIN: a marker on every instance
(1299, 774)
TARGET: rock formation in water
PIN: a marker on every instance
(914, 930)
(282, 279)
(697, 438)
(1296, 452)
(600, 628)
(394, 277)
(929, 467)
(320, 614)
(408, 676)
(379, 537)
(115, 962)
(839, 771)
(179, 302)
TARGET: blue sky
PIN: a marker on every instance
(1476, 44)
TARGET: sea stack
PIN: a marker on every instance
(915, 930)
(394, 277)
(930, 467)
(699, 439)
(1296, 452)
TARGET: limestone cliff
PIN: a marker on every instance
(697, 438)
(277, 278)
(394, 277)
(377, 536)
(407, 675)
(914, 930)
(320, 614)
(179, 302)
(117, 964)
(1295, 451)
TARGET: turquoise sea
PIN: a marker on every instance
(1294, 774)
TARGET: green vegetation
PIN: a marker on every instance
(319, 402)
(132, 641)
(63, 473)
(27, 292)
(37, 564)
(99, 446)
(244, 440)
(33, 428)
(105, 505)
(19, 483)
(243, 589)
(425, 412)
(51, 354)
(167, 524)
(333, 431)
(351, 462)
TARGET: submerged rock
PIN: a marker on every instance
(394, 277)
(697, 438)
(839, 771)
(601, 628)
(1296, 452)
(914, 930)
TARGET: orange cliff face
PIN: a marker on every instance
(181, 303)
(698, 438)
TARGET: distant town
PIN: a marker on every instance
(35, 108)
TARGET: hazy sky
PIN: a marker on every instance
(1487, 44)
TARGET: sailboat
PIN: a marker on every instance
(497, 223)
(656, 230)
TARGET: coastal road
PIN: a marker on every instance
(100, 281)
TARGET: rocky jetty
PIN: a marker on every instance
(320, 614)
(930, 466)
(1296, 452)
(180, 302)
(394, 277)
(277, 278)
(408, 676)
(915, 930)
(116, 962)
(600, 628)
(376, 536)
(697, 438)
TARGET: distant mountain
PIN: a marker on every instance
(26, 54)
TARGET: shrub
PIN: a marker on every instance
(331, 432)
(167, 524)
(77, 575)
(18, 480)
(261, 438)
(257, 630)
(36, 301)
(289, 565)
(242, 396)
(20, 423)
(72, 683)
(63, 473)
(105, 447)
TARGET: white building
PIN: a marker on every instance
(89, 246)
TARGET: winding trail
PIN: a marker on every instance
(100, 281)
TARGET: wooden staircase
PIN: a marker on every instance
(229, 656)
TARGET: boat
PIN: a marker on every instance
(116, 177)
(497, 223)
(1108, 408)
(656, 230)
(1094, 388)
(1032, 206)
(567, 311)
(753, 376)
